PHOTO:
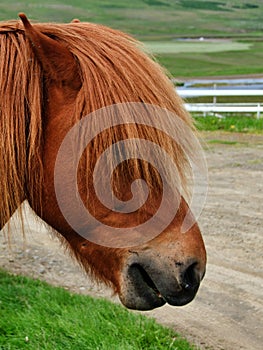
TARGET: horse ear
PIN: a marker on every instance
(57, 61)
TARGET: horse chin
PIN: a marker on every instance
(144, 291)
(143, 303)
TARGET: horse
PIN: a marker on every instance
(54, 75)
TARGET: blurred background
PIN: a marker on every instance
(214, 44)
(191, 38)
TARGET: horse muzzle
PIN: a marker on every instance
(149, 283)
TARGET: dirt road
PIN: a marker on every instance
(228, 311)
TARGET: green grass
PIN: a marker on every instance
(34, 315)
(150, 18)
(178, 47)
(224, 142)
(164, 20)
(198, 64)
(230, 123)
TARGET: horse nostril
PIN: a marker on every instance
(190, 278)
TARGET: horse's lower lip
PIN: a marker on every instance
(182, 298)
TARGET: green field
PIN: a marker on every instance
(207, 46)
(230, 123)
(209, 57)
(222, 63)
(151, 18)
(162, 22)
(34, 315)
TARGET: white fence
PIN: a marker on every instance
(256, 107)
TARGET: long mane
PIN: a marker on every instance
(20, 119)
(113, 67)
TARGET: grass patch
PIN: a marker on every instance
(230, 123)
(197, 64)
(203, 5)
(150, 18)
(222, 142)
(164, 47)
(225, 99)
(34, 315)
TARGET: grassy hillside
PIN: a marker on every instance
(163, 22)
(155, 19)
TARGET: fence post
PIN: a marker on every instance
(258, 111)
(214, 97)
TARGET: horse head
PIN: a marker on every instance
(85, 68)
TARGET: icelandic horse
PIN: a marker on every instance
(52, 76)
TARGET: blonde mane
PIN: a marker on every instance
(113, 69)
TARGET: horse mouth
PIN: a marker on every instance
(147, 289)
